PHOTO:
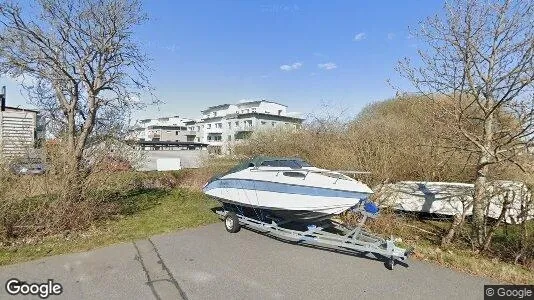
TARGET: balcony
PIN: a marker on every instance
(190, 132)
(244, 128)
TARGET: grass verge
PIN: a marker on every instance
(478, 265)
(146, 213)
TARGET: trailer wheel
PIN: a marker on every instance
(390, 262)
(231, 222)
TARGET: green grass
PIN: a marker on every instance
(146, 213)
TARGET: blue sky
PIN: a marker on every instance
(300, 53)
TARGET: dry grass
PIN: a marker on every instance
(425, 235)
(144, 214)
(35, 206)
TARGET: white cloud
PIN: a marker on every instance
(391, 36)
(327, 66)
(359, 36)
(291, 67)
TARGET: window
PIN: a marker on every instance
(273, 123)
(254, 110)
(230, 125)
(198, 127)
(218, 125)
(237, 123)
(177, 132)
(209, 137)
(279, 112)
(209, 126)
(293, 164)
(294, 174)
(214, 113)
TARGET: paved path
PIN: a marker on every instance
(209, 263)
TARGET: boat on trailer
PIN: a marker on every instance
(289, 198)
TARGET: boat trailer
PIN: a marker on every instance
(355, 240)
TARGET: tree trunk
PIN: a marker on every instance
(456, 225)
(480, 197)
(525, 242)
(506, 202)
(479, 203)
(72, 189)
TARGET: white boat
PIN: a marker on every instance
(288, 188)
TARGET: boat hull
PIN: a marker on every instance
(286, 201)
(299, 216)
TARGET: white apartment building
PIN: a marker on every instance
(222, 126)
(168, 129)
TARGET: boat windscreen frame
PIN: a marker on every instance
(256, 162)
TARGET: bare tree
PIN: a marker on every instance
(480, 55)
(79, 60)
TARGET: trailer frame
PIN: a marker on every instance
(355, 240)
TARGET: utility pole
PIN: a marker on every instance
(3, 99)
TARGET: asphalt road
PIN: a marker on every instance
(209, 263)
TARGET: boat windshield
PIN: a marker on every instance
(293, 164)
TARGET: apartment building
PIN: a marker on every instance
(222, 126)
(168, 129)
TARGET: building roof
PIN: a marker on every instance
(224, 106)
(22, 109)
(216, 107)
(250, 114)
(259, 101)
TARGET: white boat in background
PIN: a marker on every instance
(452, 198)
(288, 188)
